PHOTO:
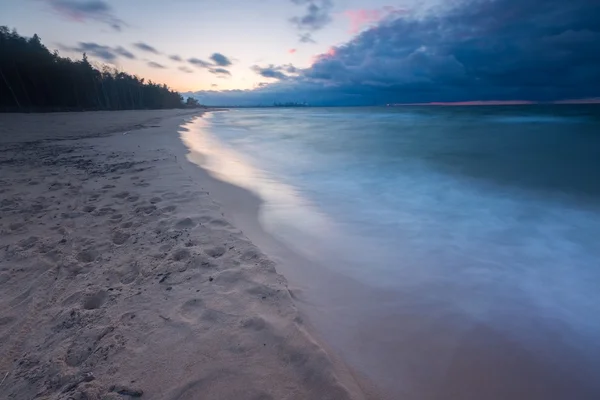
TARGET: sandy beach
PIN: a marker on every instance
(121, 277)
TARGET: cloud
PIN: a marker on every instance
(176, 58)
(275, 71)
(146, 47)
(219, 71)
(104, 53)
(317, 14)
(199, 63)
(214, 85)
(363, 17)
(124, 52)
(156, 65)
(220, 60)
(471, 50)
(292, 51)
(85, 10)
(269, 72)
(306, 38)
(186, 69)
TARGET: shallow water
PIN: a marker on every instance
(480, 225)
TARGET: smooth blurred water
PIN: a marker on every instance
(491, 211)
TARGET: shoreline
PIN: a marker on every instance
(92, 309)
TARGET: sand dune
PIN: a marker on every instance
(120, 277)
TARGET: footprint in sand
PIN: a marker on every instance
(192, 309)
(146, 209)
(88, 255)
(116, 217)
(255, 323)
(170, 195)
(128, 274)
(181, 254)
(16, 226)
(168, 209)
(55, 186)
(119, 237)
(216, 252)
(219, 223)
(104, 211)
(94, 300)
(28, 243)
(121, 195)
(186, 223)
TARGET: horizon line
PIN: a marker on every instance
(499, 102)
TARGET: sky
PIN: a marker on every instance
(333, 52)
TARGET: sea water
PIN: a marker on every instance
(485, 214)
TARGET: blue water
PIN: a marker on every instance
(492, 211)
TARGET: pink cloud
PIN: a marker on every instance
(332, 51)
(363, 17)
(291, 51)
(359, 18)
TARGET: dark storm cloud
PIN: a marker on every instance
(186, 70)
(220, 60)
(83, 10)
(219, 71)
(146, 47)
(176, 58)
(475, 50)
(317, 14)
(156, 65)
(199, 63)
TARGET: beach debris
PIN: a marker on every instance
(3, 379)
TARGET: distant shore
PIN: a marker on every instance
(121, 277)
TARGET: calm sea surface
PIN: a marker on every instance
(484, 222)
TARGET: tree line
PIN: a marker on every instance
(34, 79)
